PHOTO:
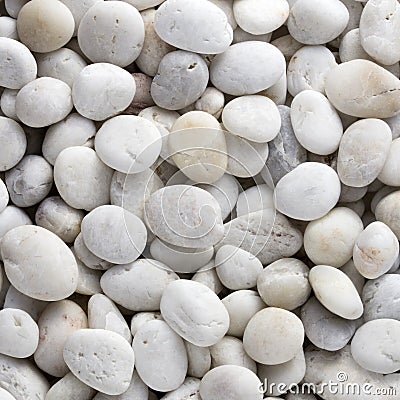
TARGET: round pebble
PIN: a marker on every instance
(11, 217)
(273, 336)
(284, 284)
(247, 68)
(365, 146)
(18, 66)
(375, 346)
(317, 189)
(317, 25)
(325, 330)
(259, 17)
(330, 239)
(104, 314)
(194, 312)
(161, 359)
(230, 382)
(336, 291)
(363, 89)
(308, 69)
(241, 306)
(160, 216)
(20, 333)
(199, 360)
(101, 359)
(131, 191)
(63, 64)
(316, 124)
(33, 256)
(114, 234)
(138, 286)
(229, 351)
(141, 318)
(181, 79)
(237, 268)
(43, 102)
(213, 32)
(30, 181)
(255, 198)
(45, 25)
(74, 130)
(8, 27)
(58, 217)
(7, 103)
(122, 43)
(378, 32)
(128, 143)
(91, 92)
(81, 178)
(261, 128)
(375, 250)
(56, 323)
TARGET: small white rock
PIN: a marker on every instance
(194, 312)
(336, 291)
(92, 354)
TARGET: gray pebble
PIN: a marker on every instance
(285, 152)
(30, 181)
(181, 79)
(324, 329)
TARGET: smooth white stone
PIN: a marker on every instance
(317, 189)
(330, 239)
(213, 32)
(273, 336)
(316, 124)
(38, 263)
(336, 291)
(194, 312)
(96, 353)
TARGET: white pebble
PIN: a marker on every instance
(273, 336)
(364, 148)
(255, 198)
(91, 91)
(259, 17)
(388, 174)
(375, 250)
(336, 291)
(237, 268)
(375, 346)
(81, 178)
(317, 189)
(122, 43)
(128, 143)
(247, 68)
(284, 284)
(8, 27)
(101, 359)
(12, 143)
(4, 196)
(160, 216)
(316, 124)
(161, 359)
(38, 263)
(20, 333)
(199, 360)
(242, 383)
(330, 239)
(138, 286)
(264, 123)
(11, 217)
(213, 32)
(114, 234)
(8, 99)
(194, 312)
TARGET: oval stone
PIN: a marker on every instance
(195, 312)
(38, 263)
(247, 68)
(202, 226)
(213, 33)
(363, 89)
(317, 189)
